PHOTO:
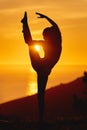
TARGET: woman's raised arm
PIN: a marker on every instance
(44, 16)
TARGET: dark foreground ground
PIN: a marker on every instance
(59, 124)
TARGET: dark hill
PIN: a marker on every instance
(64, 99)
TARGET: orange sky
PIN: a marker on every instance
(70, 15)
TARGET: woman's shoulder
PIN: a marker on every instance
(39, 42)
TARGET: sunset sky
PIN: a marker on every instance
(70, 15)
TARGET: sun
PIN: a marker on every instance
(40, 50)
(37, 47)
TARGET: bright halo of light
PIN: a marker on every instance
(37, 47)
(40, 50)
(32, 89)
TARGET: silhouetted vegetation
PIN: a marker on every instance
(85, 78)
(62, 123)
(80, 104)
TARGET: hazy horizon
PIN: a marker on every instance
(19, 81)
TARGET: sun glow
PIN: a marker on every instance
(37, 47)
(32, 89)
(40, 50)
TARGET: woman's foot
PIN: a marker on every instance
(24, 20)
(26, 31)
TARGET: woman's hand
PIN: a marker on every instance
(41, 15)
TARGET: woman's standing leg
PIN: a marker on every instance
(42, 81)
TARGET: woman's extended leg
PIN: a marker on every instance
(26, 30)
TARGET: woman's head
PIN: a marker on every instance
(46, 33)
(49, 33)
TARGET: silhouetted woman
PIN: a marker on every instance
(52, 49)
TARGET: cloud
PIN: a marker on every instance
(68, 8)
(5, 5)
